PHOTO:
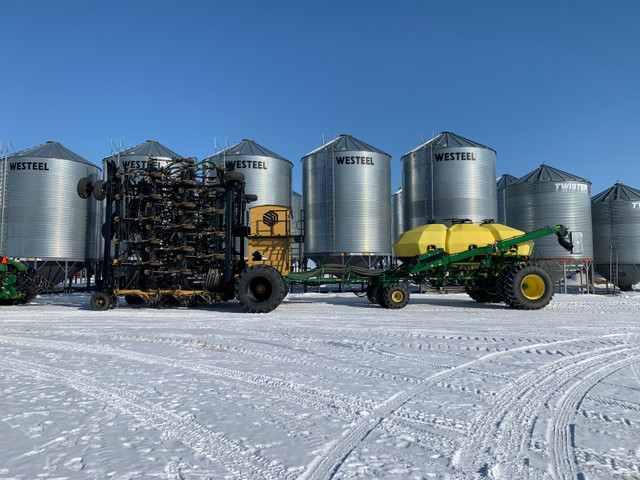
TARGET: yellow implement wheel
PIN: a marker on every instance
(532, 287)
(397, 296)
(525, 286)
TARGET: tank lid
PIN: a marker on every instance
(246, 147)
(617, 192)
(150, 148)
(545, 173)
(449, 140)
(347, 143)
(51, 149)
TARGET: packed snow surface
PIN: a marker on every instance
(326, 386)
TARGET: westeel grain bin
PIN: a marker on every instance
(501, 183)
(138, 157)
(347, 191)
(44, 221)
(397, 215)
(548, 196)
(616, 235)
(266, 174)
(449, 177)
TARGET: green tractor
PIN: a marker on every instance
(18, 283)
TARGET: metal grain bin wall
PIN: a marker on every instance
(45, 221)
(297, 228)
(266, 174)
(346, 191)
(94, 223)
(449, 177)
(502, 182)
(616, 235)
(296, 213)
(397, 215)
(548, 196)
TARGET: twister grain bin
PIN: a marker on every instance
(449, 177)
(44, 222)
(548, 196)
(616, 235)
(346, 192)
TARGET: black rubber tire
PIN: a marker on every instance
(100, 190)
(372, 292)
(259, 289)
(233, 176)
(101, 301)
(85, 188)
(133, 299)
(27, 298)
(114, 302)
(395, 296)
(285, 288)
(504, 278)
(526, 287)
(484, 294)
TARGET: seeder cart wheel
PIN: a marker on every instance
(484, 295)
(526, 287)
(395, 296)
(101, 301)
(259, 289)
(372, 292)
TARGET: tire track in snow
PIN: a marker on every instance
(236, 459)
(344, 405)
(499, 444)
(563, 463)
(326, 466)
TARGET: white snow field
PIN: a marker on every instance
(326, 386)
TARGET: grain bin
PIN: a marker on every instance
(548, 196)
(501, 183)
(297, 229)
(397, 215)
(616, 235)
(346, 193)
(297, 225)
(449, 177)
(138, 157)
(266, 174)
(44, 222)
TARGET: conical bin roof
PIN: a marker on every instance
(449, 140)
(246, 147)
(347, 143)
(51, 150)
(545, 173)
(150, 148)
(504, 180)
(617, 192)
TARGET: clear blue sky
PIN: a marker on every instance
(538, 81)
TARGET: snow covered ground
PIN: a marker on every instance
(326, 386)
